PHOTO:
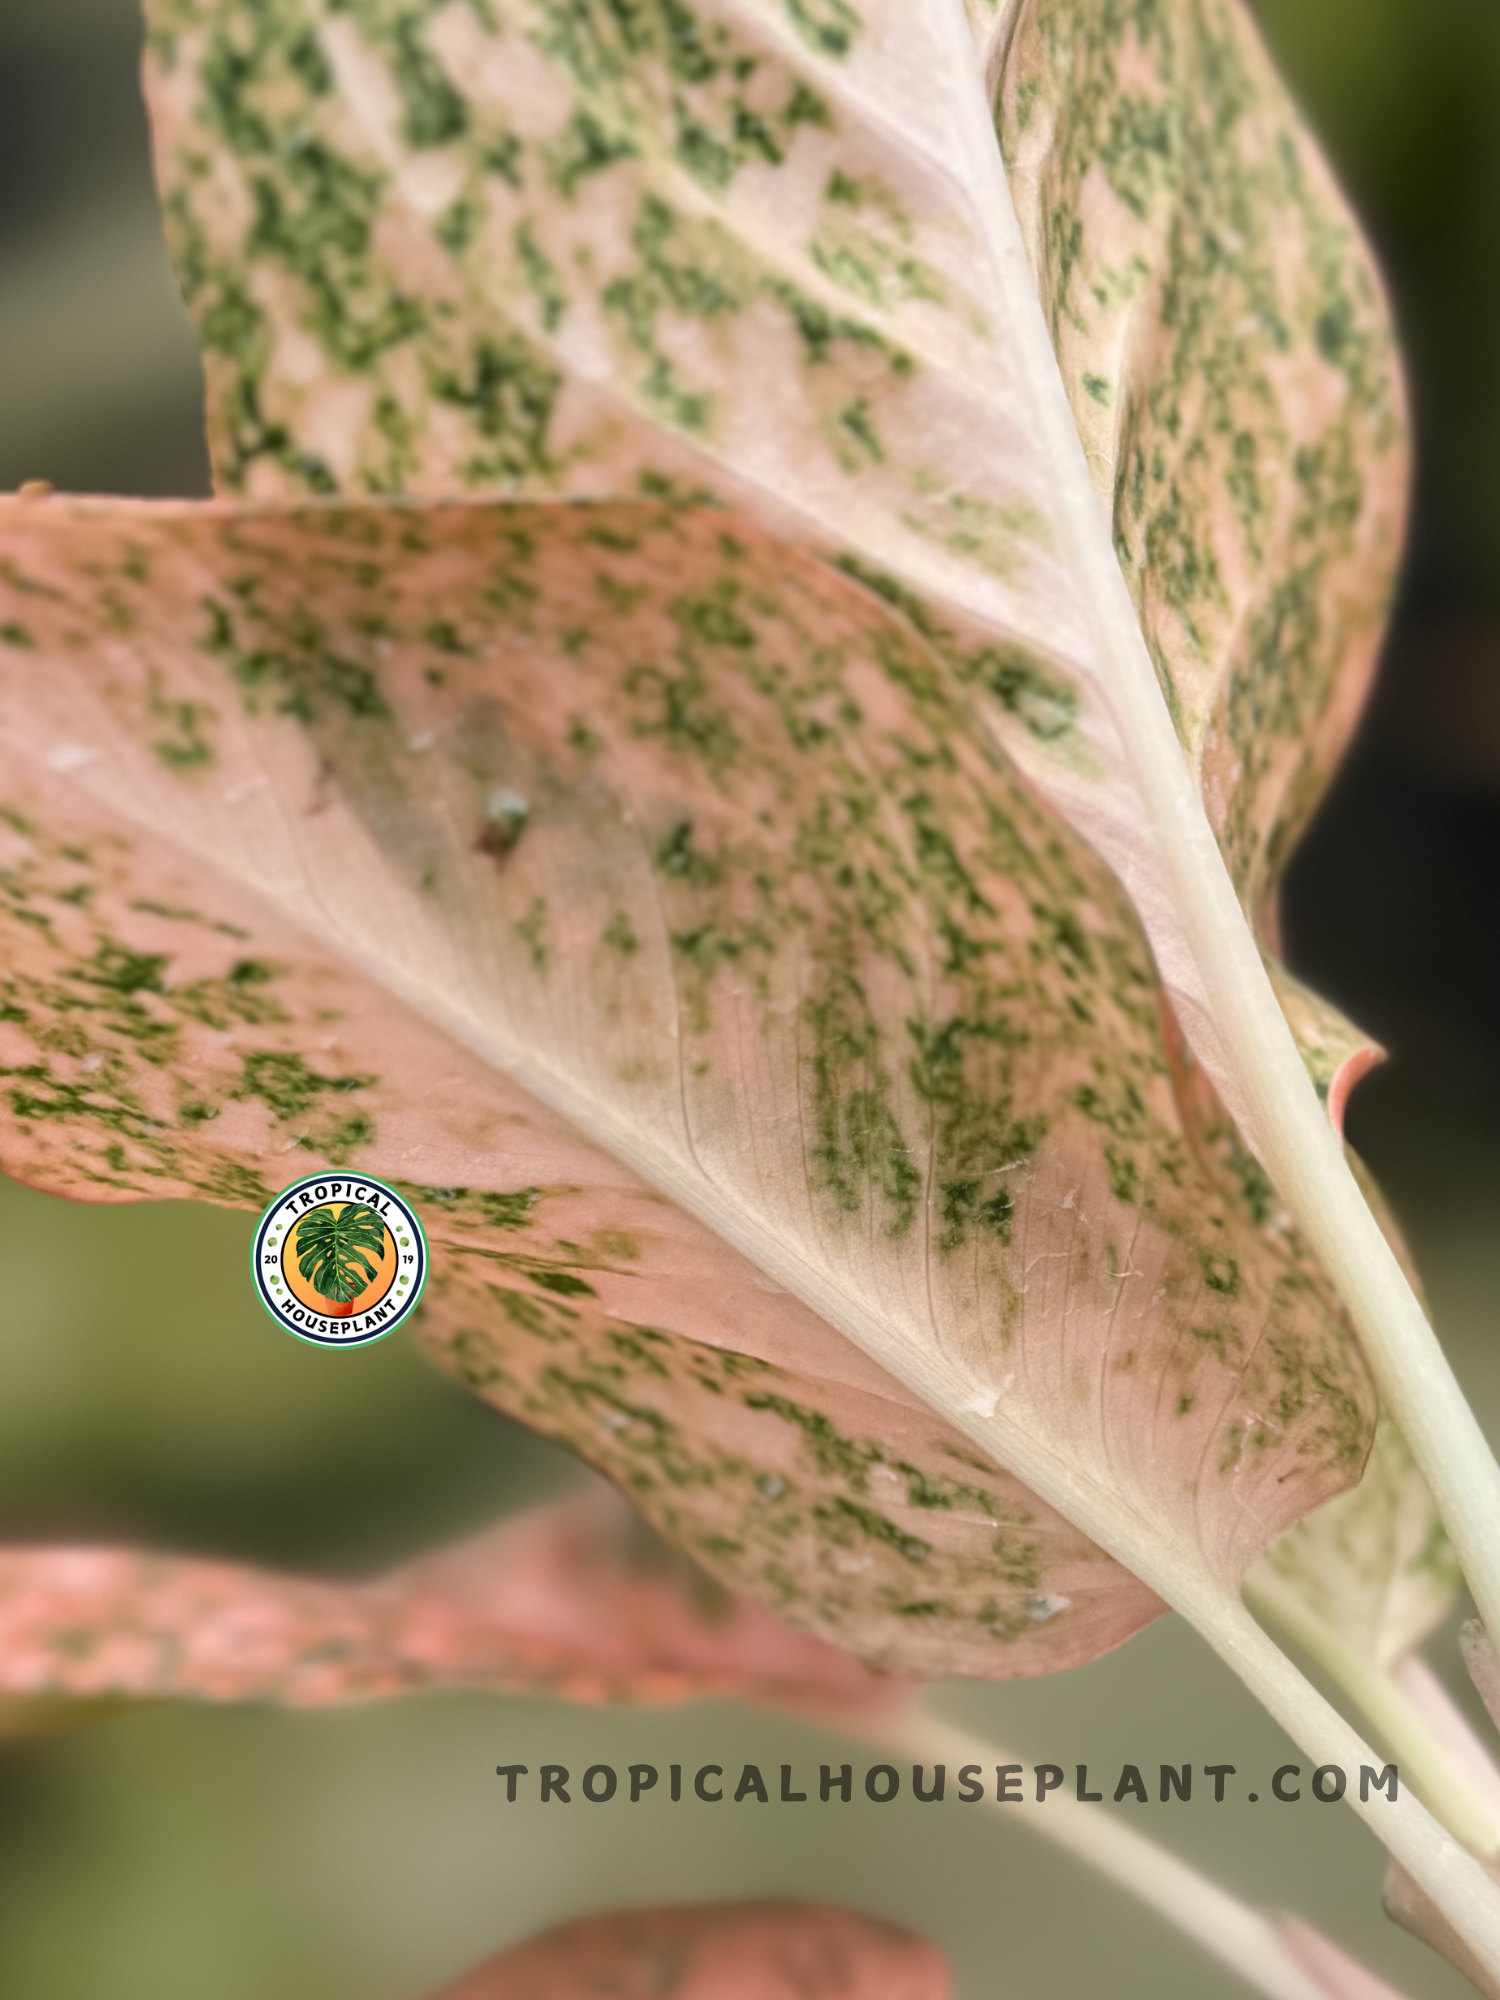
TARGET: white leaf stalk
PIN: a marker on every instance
(1435, 1765)
(1245, 1940)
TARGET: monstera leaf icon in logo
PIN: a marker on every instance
(333, 1251)
(339, 1262)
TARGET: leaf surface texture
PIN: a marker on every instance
(827, 1121)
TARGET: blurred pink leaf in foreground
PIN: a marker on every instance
(737, 1951)
(570, 1600)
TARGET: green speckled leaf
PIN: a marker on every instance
(791, 1099)
(1370, 1574)
(1224, 343)
(1359, 1585)
(1373, 1567)
(764, 248)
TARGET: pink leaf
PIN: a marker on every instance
(737, 1951)
(570, 1600)
(957, 1244)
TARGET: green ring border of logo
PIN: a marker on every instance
(311, 1180)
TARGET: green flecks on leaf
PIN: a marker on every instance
(509, 391)
(532, 931)
(435, 113)
(509, 1210)
(1041, 701)
(584, 149)
(677, 857)
(1221, 1274)
(566, 1284)
(619, 935)
(1260, 1196)
(288, 1087)
(859, 1152)
(506, 815)
(1121, 1110)
(188, 749)
(1124, 1175)
(123, 971)
(828, 26)
(459, 223)
(301, 669)
(855, 424)
(959, 1070)
(831, 1451)
(678, 708)
(844, 1515)
(502, 155)
(541, 279)
(823, 332)
(962, 1206)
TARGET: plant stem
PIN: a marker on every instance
(1241, 1938)
(1457, 1883)
(1423, 1757)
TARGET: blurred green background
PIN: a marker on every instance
(366, 1855)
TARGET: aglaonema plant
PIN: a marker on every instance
(785, 578)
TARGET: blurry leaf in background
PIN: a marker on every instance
(1373, 1567)
(173, 1412)
(578, 1600)
(765, 1951)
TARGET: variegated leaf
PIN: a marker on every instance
(762, 248)
(1228, 363)
(1372, 1568)
(692, 842)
